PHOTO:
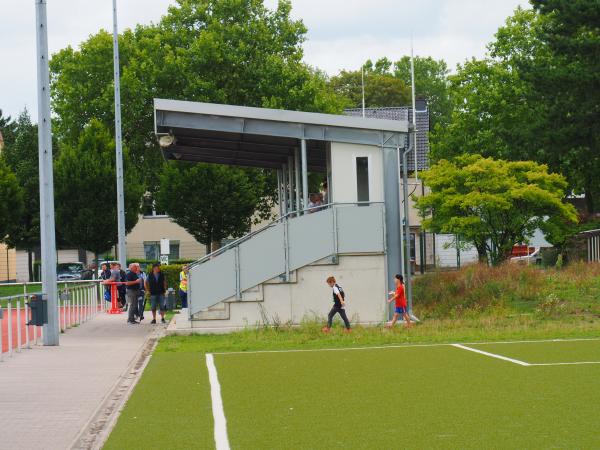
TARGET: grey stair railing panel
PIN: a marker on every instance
(262, 257)
(288, 244)
(360, 229)
(311, 238)
(213, 281)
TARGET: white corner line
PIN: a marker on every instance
(221, 440)
(492, 355)
(573, 363)
(394, 346)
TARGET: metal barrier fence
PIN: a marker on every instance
(79, 302)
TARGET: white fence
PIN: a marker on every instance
(79, 302)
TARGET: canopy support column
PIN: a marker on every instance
(297, 177)
(291, 183)
(304, 174)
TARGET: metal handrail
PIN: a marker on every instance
(286, 216)
(27, 283)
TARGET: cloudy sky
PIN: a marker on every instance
(341, 33)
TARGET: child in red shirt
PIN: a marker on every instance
(400, 298)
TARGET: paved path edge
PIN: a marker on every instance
(96, 431)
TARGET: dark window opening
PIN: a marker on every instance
(362, 179)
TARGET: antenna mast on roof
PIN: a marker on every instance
(362, 69)
(414, 107)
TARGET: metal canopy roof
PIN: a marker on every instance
(260, 137)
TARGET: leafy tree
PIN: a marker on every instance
(85, 191)
(492, 204)
(212, 202)
(21, 155)
(229, 51)
(534, 97)
(381, 87)
(572, 89)
(431, 83)
(11, 199)
(7, 129)
(494, 109)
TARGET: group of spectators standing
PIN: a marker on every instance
(135, 286)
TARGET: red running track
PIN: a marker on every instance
(70, 314)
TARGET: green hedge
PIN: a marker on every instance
(172, 274)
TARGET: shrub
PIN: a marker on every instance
(508, 289)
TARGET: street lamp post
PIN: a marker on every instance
(47, 229)
(121, 248)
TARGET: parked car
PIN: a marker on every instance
(532, 258)
(73, 271)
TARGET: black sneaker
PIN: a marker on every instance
(133, 322)
(153, 321)
(163, 320)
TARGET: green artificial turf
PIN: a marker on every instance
(417, 397)
(373, 398)
(170, 407)
(547, 352)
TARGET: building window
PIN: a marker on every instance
(173, 250)
(152, 250)
(362, 178)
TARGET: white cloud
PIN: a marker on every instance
(341, 33)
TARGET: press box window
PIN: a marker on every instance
(362, 179)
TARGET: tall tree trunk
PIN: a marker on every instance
(589, 200)
(216, 245)
(30, 264)
(482, 252)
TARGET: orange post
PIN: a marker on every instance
(114, 299)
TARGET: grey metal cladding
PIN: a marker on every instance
(178, 117)
(278, 115)
(213, 282)
(310, 238)
(405, 113)
(360, 229)
(262, 257)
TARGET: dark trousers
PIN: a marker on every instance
(132, 304)
(141, 306)
(183, 297)
(338, 310)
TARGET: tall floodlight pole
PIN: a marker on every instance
(363, 88)
(414, 105)
(407, 221)
(119, 145)
(47, 233)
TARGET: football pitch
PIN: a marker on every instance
(523, 394)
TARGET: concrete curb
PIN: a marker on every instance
(95, 432)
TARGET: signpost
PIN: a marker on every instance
(165, 250)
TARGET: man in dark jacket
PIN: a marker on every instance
(156, 285)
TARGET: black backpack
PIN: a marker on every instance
(341, 291)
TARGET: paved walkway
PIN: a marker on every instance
(49, 394)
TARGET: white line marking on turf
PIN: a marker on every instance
(492, 355)
(221, 440)
(446, 344)
(573, 363)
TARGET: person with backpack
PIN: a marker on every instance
(339, 303)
